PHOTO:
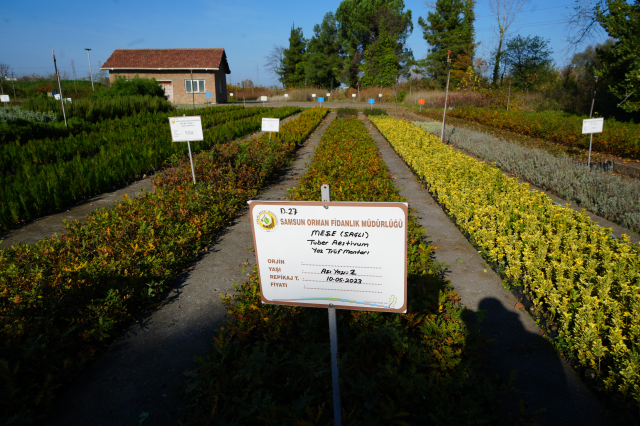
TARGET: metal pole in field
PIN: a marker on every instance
(509, 97)
(333, 335)
(60, 89)
(243, 102)
(593, 101)
(446, 96)
(13, 79)
(90, 72)
(397, 78)
(193, 173)
(193, 93)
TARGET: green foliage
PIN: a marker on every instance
(620, 139)
(360, 22)
(374, 112)
(381, 65)
(449, 27)
(271, 363)
(93, 110)
(136, 86)
(293, 59)
(15, 114)
(42, 175)
(528, 60)
(66, 298)
(324, 61)
(347, 112)
(401, 95)
(621, 64)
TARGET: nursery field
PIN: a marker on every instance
(65, 298)
(270, 363)
(583, 283)
(618, 138)
(44, 167)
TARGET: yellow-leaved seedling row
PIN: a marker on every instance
(586, 280)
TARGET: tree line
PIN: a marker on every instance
(363, 44)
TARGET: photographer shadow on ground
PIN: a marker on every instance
(543, 387)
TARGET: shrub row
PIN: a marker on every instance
(118, 157)
(585, 280)
(621, 139)
(64, 298)
(13, 114)
(604, 194)
(97, 109)
(271, 364)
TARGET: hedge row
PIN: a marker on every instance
(586, 281)
(64, 298)
(271, 364)
(618, 138)
(119, 156)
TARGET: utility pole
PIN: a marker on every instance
(13, 79)
(593, 101)
(446, 96)
(90, 72)
(73, 68)
(60, 89)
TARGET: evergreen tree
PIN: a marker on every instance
(293, 60)
(621, 64)
(324, 61)
(449, 27)
(359, 23)
(381, 64)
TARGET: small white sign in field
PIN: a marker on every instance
(231, 94)
(186, 129)
(380, 95)
(592, 125)
(4, 98)
(270, 124)
(286, 95)
(347, 255)
(57, 96)
(313, 95)
(328, 95)
(263, 98)
(353, 95)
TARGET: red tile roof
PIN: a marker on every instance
(167, 59)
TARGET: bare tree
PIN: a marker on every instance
(583, 22)
(5, 70)
(505, 12)
(274, 61)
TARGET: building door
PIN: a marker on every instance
(168, 89)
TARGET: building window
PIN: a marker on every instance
(220, 84)
(198, 86)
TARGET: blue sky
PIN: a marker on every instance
(246, 29)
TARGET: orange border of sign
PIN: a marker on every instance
(404, 208)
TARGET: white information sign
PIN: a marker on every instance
(68, 100)
(186, 129)
(270, 124)
(57, 96)
(380, 95)
(313, 95)
(263, 98)
(328, 95)
(346, 255)
(4, 98)
(231, 94)
(353, 95)
(592, 125)
(286, 95)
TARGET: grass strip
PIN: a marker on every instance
(604, 194)
(582, 282)
(271, 364)
(64, 299)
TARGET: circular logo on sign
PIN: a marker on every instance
(267, 221)
(392, 301)
(173, 121)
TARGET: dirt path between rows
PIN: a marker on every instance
(140, 372)
(544, 379)
(49, 225)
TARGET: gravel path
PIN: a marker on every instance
(139, 374)
(544, 380)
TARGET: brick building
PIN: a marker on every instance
(172, 69)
